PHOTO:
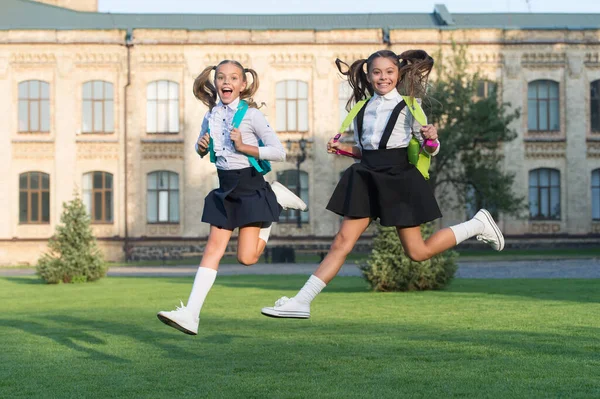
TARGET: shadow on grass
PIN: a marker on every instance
(78, 334)
(28, 280)
(68, 336)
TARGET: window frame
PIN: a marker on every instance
(30, 192)
(489, 88)
(539, 195)
(158, 101)
(42, 103)
(104, 191)
(595, 98)
(169, 191)
(284, 109)
(548, 100)
(103, 100)
(595, 198)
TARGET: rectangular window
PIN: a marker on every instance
(34, 198)
(34, 107)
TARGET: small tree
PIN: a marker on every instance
(74, 255)
(390, 269)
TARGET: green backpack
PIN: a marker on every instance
(421, 159)
(261, 165)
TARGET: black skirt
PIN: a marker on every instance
(385, 185)
(243, 198)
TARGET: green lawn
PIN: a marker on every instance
(480, 338)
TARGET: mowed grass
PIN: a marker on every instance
(478, 339)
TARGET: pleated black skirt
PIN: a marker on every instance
(385, 185)
(243, 198)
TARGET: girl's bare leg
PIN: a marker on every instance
(250, 246)
(215, 247)
(350, 231)
(418, 249)
(481, 225)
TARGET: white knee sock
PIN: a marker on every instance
(265, 232)
(311, 289)
(467, 229)
(203, 282)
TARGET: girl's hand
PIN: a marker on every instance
(333, 146)
(203, 142)
(429, 132)
(236, 137)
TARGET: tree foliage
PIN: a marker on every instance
(73, 254)
(473, 124)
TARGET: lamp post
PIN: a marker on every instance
(300, 157)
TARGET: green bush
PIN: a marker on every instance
(388, 268)
(74, 256)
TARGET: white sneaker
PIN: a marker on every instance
(491, 233)
(286, 198)
(288, 308)
(180, 319)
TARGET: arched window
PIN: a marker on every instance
(34, 106)
(289, 178)
(292, 106)
(98, 196)
(543, 106)
(34, 197)
(163, 197)
(162, 107)
(544, 194)
(98, 107)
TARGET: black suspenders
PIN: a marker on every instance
(387, 132)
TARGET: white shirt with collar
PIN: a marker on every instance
(377, 113)
(254, 126)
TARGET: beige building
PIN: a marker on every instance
(102, 105)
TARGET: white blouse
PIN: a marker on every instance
(377, 113)
(254, 126)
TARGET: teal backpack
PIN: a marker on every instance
(261, 165)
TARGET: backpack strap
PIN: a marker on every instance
(261, 166)
(415, 109)
(237, 120)
(359, 124)
(387, 132)
(352, 114)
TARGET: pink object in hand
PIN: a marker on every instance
(342, 152)
(431, 143)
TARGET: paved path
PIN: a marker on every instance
(566, 268)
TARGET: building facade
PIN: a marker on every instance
(101, 105)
